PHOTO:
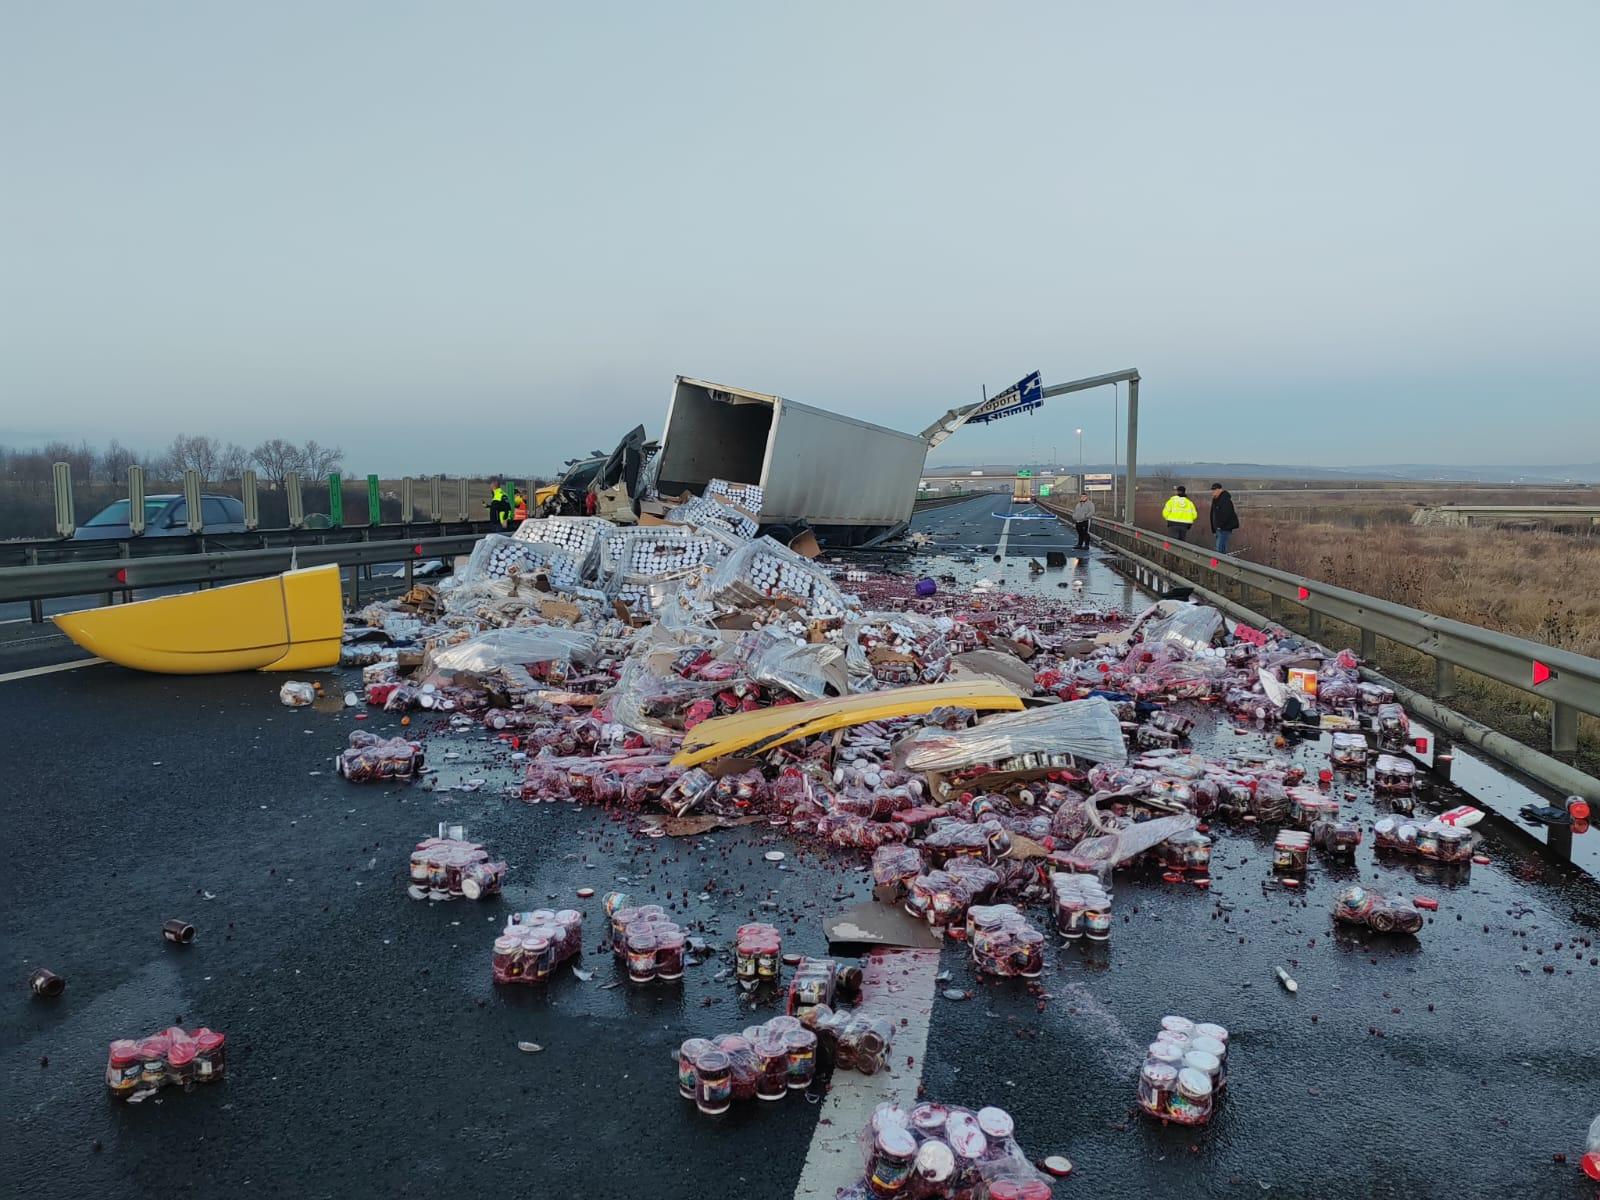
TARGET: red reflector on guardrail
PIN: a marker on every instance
(417, 550)
(1540, 673)
(1304, 593)
(1213, 562)
(122, 574)
(1166, 545)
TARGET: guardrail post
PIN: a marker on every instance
(436, 499)
(135, 501)
(374, 502)
(191, 501)
(1369, 645)
(251, 500)
(1444, 679)
(408, 500)
(1444, 756)
(461, 501)
(297, 502)
(336, 501)
(66, 513)
(1313, 622)
(35, 607)
(1563, 729)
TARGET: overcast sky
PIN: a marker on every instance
(473, 236)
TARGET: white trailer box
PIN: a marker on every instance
(849, 479)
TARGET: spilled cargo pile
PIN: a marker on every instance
(997, 758)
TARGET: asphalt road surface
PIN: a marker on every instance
(371, 1056)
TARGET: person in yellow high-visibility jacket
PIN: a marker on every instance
(1179, 513)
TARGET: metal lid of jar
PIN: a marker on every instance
(995, 1122)
(1208, 1045)
(1193, 1084)
(936, 1162)
(1206, 1029)
(1177, 1024)
(1162, 1075)
(1200, 1060)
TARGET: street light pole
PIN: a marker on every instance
(1080, 459)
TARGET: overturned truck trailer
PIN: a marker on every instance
(849, 480)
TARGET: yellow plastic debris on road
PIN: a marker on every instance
(768, 727)
(291, 622)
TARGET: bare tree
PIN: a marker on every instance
(275, 458)
(116, 460)
(192, 452)
(233, 461)
(80, 458)
(320, 461)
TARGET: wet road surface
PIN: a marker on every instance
(372, 1056)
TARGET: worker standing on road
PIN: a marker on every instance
(520, 512)
(1179, 513)
(499, 507)
(1082, 514)
(1224, 520)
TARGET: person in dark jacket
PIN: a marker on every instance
(1224, 520)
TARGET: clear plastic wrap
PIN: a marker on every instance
(705, 512)
(748, 496)
(370, 757)
(580, 537)
(1192, 628)
(1104, 853)
(1358, 905)
(896, 864)
(809, 670)
(649, 552)
(499, 556)
(523, 644)
(1087, 729)
(764, 570)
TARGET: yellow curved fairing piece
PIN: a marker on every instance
(768, 727)
(291, 622)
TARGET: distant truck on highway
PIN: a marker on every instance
(850, 480)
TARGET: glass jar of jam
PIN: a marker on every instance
(687, 1053)
(180, 1064)
(934, 1168)
(744, 958)
(894, 1152)
(998, 1126)
(1209, 1045)
(507, 960)
(1097, 924)
(153, 1062)
(713, 1074)
(123, 1068)
(769, 953)
(1027, 953)
(538, 954)
(772, 1063)
(641, 951)
(1192, 1102)
(1158, 1082)
(210, 1055)
(669, 952)
(801, 1045)
(419, 867)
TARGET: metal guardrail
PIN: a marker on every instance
(51, 580)
(1569, 682)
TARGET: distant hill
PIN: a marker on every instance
(1576, 473)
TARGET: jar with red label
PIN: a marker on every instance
(123, 1068)
(769, 953)
(538, 954)
(1027, 953)
(210, 1055)
(741, 1054)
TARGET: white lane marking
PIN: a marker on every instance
(51, 670)
(899, 983)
